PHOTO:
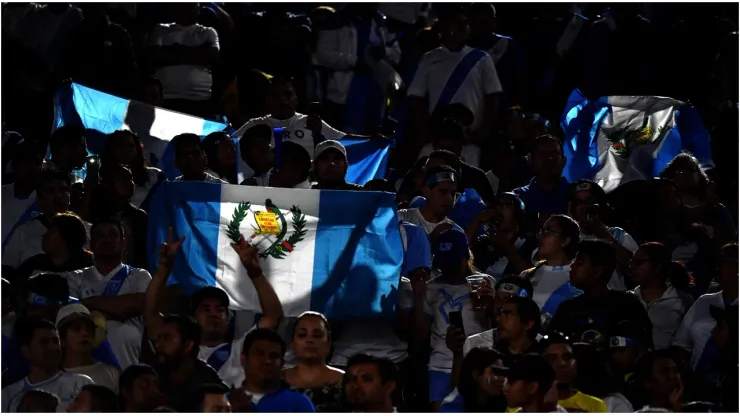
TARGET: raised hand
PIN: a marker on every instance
(249, 257)
(168, 250)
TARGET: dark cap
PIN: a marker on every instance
(47, 289)
(591, 187)
(450, 249)
(529, 367)
(209, 292)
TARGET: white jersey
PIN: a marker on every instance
(295, 131)
(433, 74)
(666, 314)
(64, 385)
(141, 191)
(102, 374)
(124, 337)
(551, 287)
(231, 372)
(441, 299)
(26, 242)
(695, 331)
(13, 208)
(413, 216)
(374, 337)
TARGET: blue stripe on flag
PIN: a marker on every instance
(367, 159)
(358, 255)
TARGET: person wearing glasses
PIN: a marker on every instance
(557, 349)
(479, 390)
(559, 239)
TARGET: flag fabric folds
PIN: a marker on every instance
(617, 139)
(335, 252)
(75, 104)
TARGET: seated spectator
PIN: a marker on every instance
(625, 349)
(52, 197)
(294, 170)
(124, 147)
(658, 383)
(38, 401)
(114, 289)
(257, 153)
(547, 192)
(40, 344)
(64, 249)
(559, 239)
(139, 389)
(81, 332)
(262, 390)
(207, 398)
(330, 167)
(594, 315)
(440, 190)
(528, 383)
(68, 146)
(587, 205)
(19, 196)
(94, 398)
(558, 351)
(312, 344)
(182, 54)
(470, 176)
(217, 344)
(651, 268)
(369, 384)
(191, 160)
(220, 151)
(504, 248)
(595, 379)
(479, 389)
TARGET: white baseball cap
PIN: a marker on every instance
(69, 313)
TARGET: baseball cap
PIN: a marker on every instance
(450, 249)
(591, 187)
(515, 286)
(209, 292)
(47, 290)
(72, 312)
(529, 367)
(329, 144)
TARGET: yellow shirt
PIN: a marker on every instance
(578, 403)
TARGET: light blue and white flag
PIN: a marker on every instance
(78, 105)
(617, 139)
(335, 252)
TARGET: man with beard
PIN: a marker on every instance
(177, 347)
(369, 384)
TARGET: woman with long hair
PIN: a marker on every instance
(312, 345)
(479, 389)
(558, 244)
(657, 277)
(124, 147)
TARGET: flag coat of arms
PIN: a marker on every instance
(335, 252)
(618, 139)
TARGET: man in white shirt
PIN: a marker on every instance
(211, 311)
(440, 191)
(114, 289)
(40, 344)
(455, 73)
(52, 197)
(191, 160)
(183, 53)
(306, 130)
(19, 196)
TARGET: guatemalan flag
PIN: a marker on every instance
(335, 252)
(618, 139)
(75, 104)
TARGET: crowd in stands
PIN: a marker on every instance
(555, 296)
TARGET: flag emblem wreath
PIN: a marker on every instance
(272, 228)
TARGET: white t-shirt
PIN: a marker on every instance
(441, 299)
(124, 337)
(64, 385)
(625, 240)
(696, 329)
(295, 131)
(186, 82)
(413, 216)
(374, 337)
(552, 287)
(666, 314)
(26, 242)
(141, 191)
(617, 403)
(435, 69)
(13, 208)
(231, 372)
(102, 374)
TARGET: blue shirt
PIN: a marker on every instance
(539, 201)
(284, 401)
(418, 249)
